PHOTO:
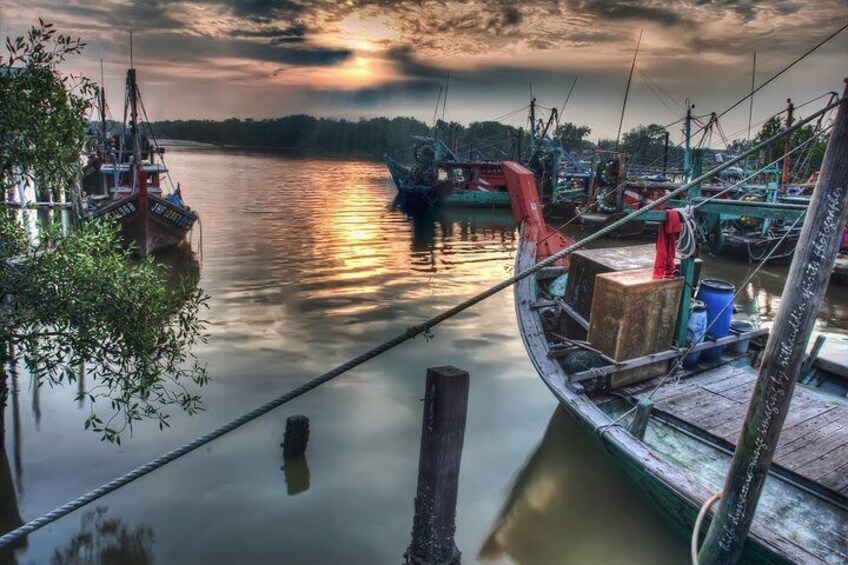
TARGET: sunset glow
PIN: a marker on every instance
(263, 58)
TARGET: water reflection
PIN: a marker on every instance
(296, 472)
(568, 505)
(10, 516)
(104, 540)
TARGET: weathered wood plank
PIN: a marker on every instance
(671, 388)
(800, 431)
(815, 445)
(803, 407)
(827, 462)
(837, 480)
(739, 377)
(697, 405)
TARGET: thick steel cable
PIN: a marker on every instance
(407, 335)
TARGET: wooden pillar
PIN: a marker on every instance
(296, 436)
(442, 436)
(784, 352)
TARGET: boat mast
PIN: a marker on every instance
(532, 121)
(134, 129)
(787, 146)
(784, 352)
(687, 148)
(627, 90)
(751, 102)
(104, 145)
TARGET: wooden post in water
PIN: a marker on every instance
(784, 352)
(442, 436)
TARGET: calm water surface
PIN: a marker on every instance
(306, 267)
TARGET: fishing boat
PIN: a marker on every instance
(151, 218)
(681, 458)
(439, 177)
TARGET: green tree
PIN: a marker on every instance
(644, 143)
(572, 137)
(775, 149)
(42, 112)
(76, 302)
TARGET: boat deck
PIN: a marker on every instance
(713, 405)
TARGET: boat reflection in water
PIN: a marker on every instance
(445, 237)
(555, 506)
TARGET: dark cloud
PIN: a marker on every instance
(135, 15)
(404, 58)
(747, 9)
(263, 10)
(294, 33)
(666, 13)
(374, 96)
(171, 46)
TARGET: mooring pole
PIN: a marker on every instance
(665, 152)
(784, 352)
(442, 436)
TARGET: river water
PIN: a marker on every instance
(307, 266)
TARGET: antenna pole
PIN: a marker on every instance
(751, 103)
(445, 100)
(567, 98)
(627, 90)
(436, 109)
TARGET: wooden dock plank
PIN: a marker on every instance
(799, 432)
(802, 408)
(837, 480)
(671, 388)
(817, 444)
(830, 461)
(814, 441)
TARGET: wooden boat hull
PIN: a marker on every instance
(149, 223)
(756, 248)
(658, 480)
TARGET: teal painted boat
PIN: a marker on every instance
(683, 457)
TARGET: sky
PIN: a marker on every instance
(360, 58)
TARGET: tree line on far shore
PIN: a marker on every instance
(372, 138)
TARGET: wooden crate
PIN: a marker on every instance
(632, 316)
(586, 264)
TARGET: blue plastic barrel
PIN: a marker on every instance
(697, 327)
(717, 296)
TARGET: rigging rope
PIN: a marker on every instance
(410, 333)
(786, 68)
(699, 521)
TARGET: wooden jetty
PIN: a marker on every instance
(813, 449)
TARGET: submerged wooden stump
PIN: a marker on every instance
(297, 436)
(442, 436)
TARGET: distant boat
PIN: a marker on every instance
(133, 175)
